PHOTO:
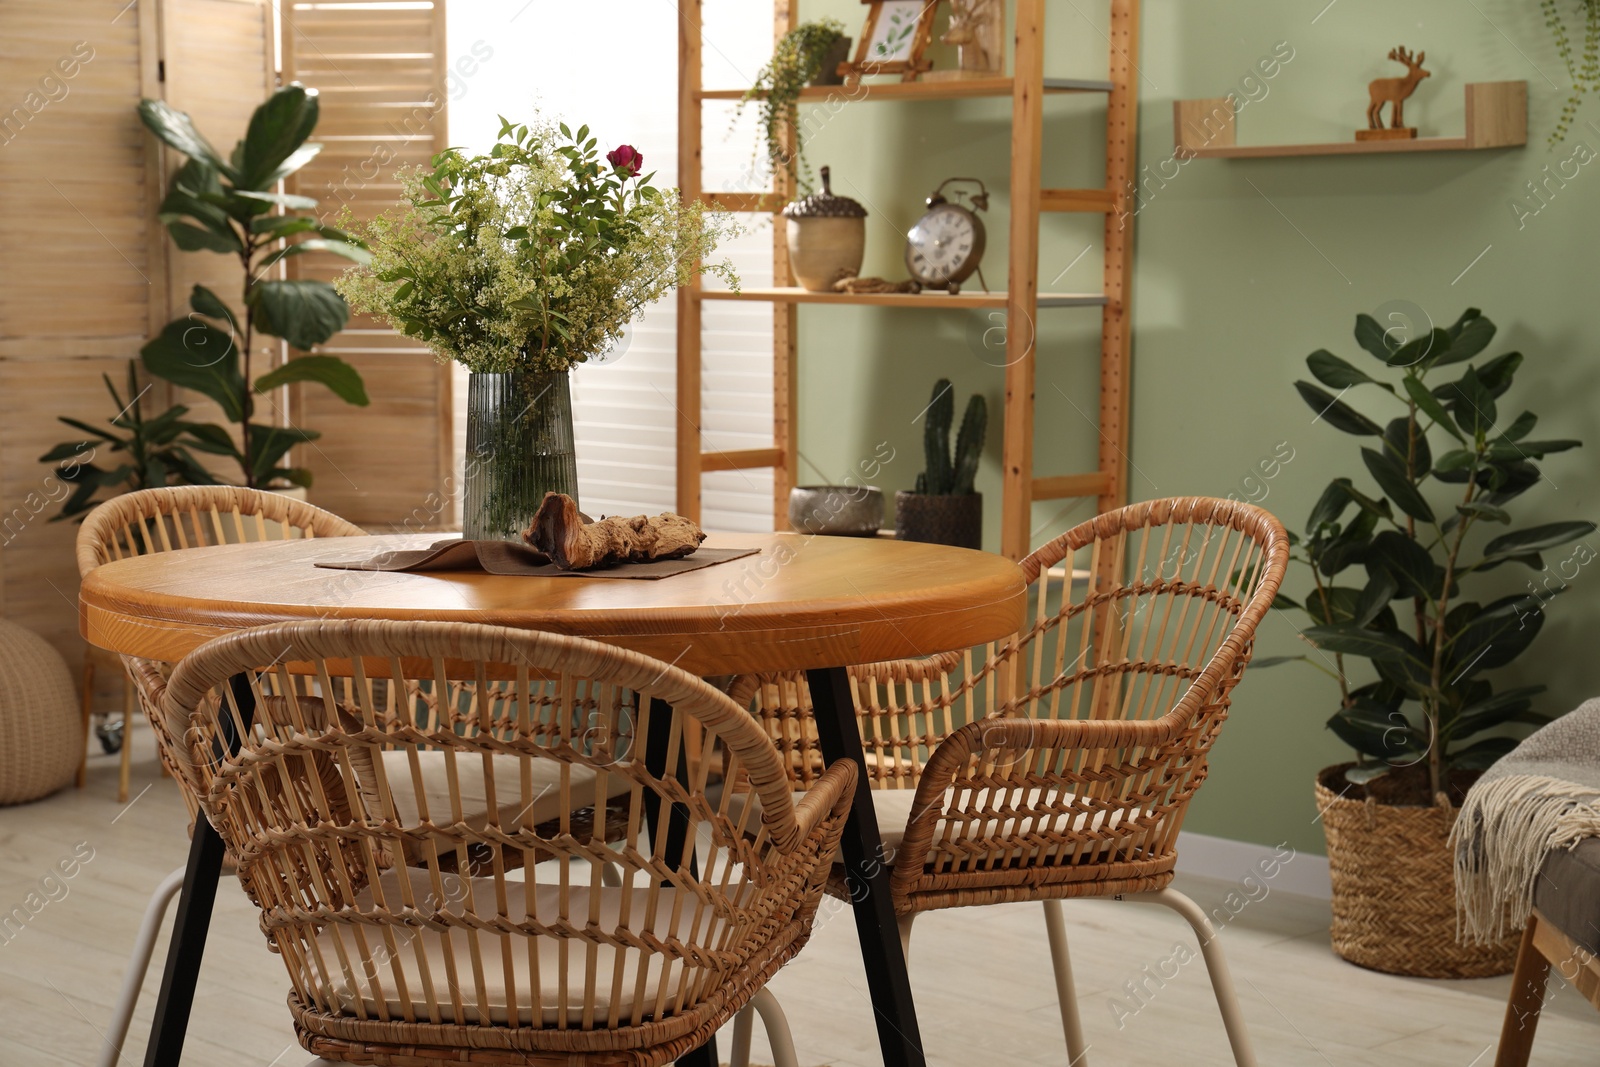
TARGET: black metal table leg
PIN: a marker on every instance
(867, 874)
(193, 921)
(656, 742)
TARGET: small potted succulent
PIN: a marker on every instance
(1408, 648)
(945, 509)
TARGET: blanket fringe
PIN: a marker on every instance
(1505, 829)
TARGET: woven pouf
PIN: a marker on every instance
(41, 730)
(1394, 896)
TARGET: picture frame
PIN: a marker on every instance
(894, 40)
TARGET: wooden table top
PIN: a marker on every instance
(803, 602)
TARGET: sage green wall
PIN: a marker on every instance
(1243, 267)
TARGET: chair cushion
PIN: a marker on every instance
(435, 777)
(565, 965)
(1567, 892)
(894, 806)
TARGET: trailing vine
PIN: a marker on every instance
(1583, 68)
(795, 62)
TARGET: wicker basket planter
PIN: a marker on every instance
(1394, 902)
(956, 519)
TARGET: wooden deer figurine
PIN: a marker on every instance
(1395, 91)
(978, 31)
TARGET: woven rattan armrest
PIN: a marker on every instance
(831, 794)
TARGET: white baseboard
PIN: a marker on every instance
(1204, 856)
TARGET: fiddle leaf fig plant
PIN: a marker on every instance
(232, 206)
(1389, 569)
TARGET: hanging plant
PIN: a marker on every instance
(1584, 69)
(798, 59)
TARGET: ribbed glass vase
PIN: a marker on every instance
(519, 447)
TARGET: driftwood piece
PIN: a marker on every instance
(875, 285)
(559, 531)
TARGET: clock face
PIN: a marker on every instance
(944, 246)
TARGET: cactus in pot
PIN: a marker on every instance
(945, 508)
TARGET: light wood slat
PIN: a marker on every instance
(744, 459)
(382, 77)
(1068, 486)
(689, 340)
(1101, 200)
(751, 202)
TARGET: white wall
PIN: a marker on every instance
(612, 64)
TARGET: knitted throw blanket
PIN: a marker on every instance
(1541, 796)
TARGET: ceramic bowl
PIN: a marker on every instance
(836, 510)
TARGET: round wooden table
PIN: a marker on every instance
(815, 604)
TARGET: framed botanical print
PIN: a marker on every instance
(894, 39)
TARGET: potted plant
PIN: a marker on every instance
(809, 54)
(232, 207)
(1389, 574)
(146, 454)
(1583, 68)
(945, 509)
(521, 264)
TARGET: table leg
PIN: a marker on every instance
(656, 743)
(193, 922)
(867, 873)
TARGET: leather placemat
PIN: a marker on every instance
(510, 558)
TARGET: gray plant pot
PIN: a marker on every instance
(836, 510)
(941, 520)
(829, 74)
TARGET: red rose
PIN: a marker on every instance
(626, 158)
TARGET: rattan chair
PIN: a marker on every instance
(390, 964)
(1061, 763)
(160, 520)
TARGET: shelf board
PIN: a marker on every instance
(956, 89)
(794, 295)
(1497, 117)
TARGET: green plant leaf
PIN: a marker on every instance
(353, 252)
(331, 371)
(1470, 335)
(1472, 404)
(209, 437)
(1520, 428)
(303, 312)
(1496, 374)
(1480, 510)
(1273, 661)
(1429, 405)
(1496, 636)
(1342, 601)
(1350, 546)
(1375, 731)
(1390, 475)
(178, 131)
(1402, 435)
(269, 444)
(1412, 566)
(1421, 351)
(1371, 336)
(1537, 538)
(1335, 373)
(1482, 754)
(291, 201)
(1382, 587)
(277, 128)
(1496, 710)
(193, 238)
(1336, 412)
(1351, 640)
(196, 355)
(205, 302)
(1541, 449)
(1329, 506)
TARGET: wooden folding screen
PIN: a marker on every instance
(380, 69)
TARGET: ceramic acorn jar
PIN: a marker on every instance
(827, 237)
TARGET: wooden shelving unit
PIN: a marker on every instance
(1497, 117)
(1026, 87)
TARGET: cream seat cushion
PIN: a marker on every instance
(474, 791)
(565, 965)
(893, 807)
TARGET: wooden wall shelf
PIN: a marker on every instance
(971, 299)
(1497, 117)
(925, 90)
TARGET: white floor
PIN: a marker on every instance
(981, 975)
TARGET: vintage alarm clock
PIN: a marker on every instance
(945, 247)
